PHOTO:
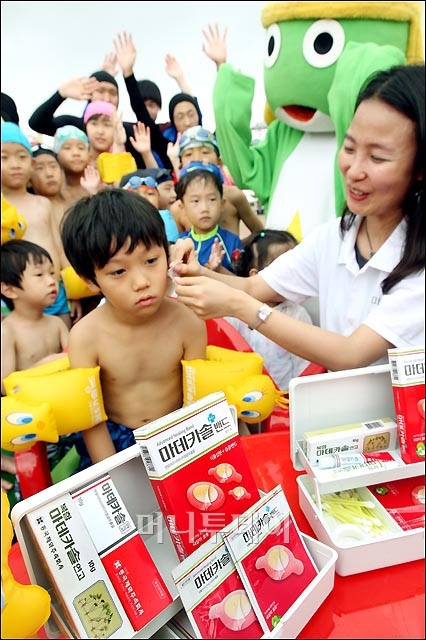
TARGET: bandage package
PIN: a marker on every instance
(363, 437)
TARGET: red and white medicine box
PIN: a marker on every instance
(128, 474)
(123, 553)
(340, 398)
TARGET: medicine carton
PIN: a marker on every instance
(408, 385)
(132, 571)
(330, 400)
(376, 434)
(81, 584)
(198, 470)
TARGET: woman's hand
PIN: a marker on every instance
(183, 258)
(206, 297)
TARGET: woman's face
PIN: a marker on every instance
(377, 159)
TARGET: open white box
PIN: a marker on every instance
(338, 398)
(129, 475)
(128, 472)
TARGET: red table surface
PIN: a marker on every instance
(385, 603)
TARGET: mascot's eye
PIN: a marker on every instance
(25, 439)
(273, 45)
(323, 43)
(249, 414)
(252, 396)
(21, 225)
(18, 417)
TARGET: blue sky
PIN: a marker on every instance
(44, 44)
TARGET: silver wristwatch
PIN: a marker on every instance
(263, 314)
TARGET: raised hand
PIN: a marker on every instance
(120, 135)
(141, 139)
(216, 255)
(110, 64)
(91, 179)
(173, 154)
(78, 88)
(215, 45)
(125, 52)
(173, 68)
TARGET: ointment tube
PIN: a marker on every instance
(351, 459)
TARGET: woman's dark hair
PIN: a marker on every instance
(255, 252)
(15, 255)
(96, 227)
(403, 88)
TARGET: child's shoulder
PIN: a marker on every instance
(179, 312)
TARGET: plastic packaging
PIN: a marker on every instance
(349, 459)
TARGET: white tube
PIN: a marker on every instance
(350, 459)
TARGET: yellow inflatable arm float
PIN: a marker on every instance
(13, 225)
(25, 608)
(239, 375)
(75, 287)
(48, 401)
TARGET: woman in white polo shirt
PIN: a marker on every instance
(367, 267)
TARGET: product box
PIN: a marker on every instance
(136, 579)
(407, 367)
(128, 473)
(376, 434)
(404, 500)
(296, 618)
(213, 594)
(270, 555)
(346, 397)
(76, 572)
(198, 470)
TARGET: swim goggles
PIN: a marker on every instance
(138, 181)
(196, 165)
(197, 137)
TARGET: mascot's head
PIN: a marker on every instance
(304, 41)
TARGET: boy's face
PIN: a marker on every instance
(203, 204)
(46, 177)
(150, 193)
(135, 284)
(39, 285)
(152, 108)
(106, 92)
(185, 116)
(100, 131)
(166, 194)
(202, 154)
(73, 156)
(16, 165)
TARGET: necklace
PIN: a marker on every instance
(369, 240)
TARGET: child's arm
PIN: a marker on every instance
(245, 213)
(125, 51)
(8, 354)
(43, 119)
(82, 353)
(175, 71)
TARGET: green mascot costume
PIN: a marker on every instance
(317, 57)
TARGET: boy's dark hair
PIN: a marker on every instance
(255, 252)
(15, 255)
(96, 227)
(197, 174)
